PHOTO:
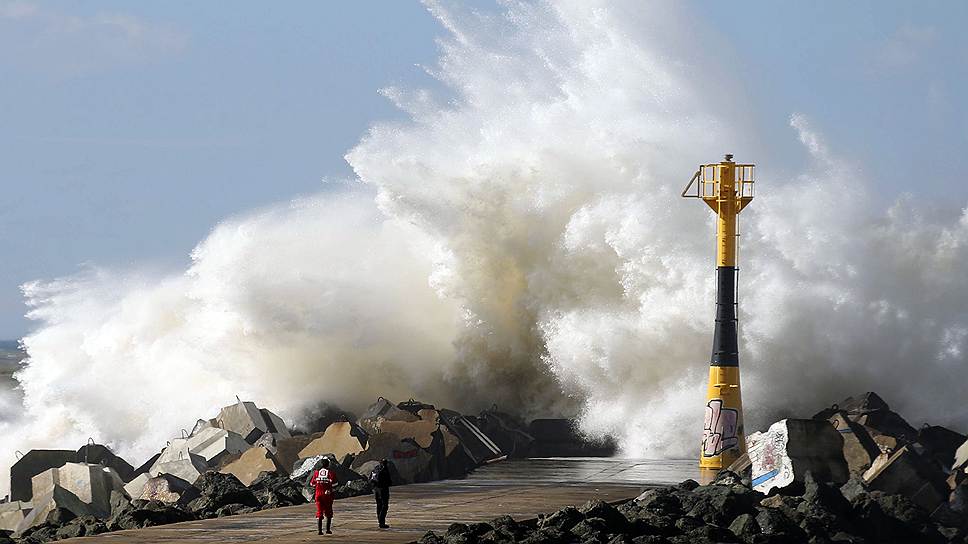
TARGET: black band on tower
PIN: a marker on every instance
(725, 349)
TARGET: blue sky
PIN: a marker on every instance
(130, 129)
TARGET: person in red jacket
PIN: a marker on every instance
(323, 480)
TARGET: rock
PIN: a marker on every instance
(591, 529)
(791, 447)
(745, 527)
(563, 519)
(91, 484)
(340, 439)
(383, 410)
(720, 504)
(234, 510)
(688, 485)
(214, 444)
(274, 490)
(254, 462)
(410, 462)
(148, 514)
(32, 464)
(168, 489)
(860, 450)
(217, 490)
(615, 521)
(353, 488)
(773, 522)
(906, 473)
(82, 526)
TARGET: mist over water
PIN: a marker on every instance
(523, 243)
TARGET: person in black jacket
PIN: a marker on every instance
(381, 482)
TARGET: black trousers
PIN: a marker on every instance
(382, 495)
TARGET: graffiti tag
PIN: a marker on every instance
(719, 431)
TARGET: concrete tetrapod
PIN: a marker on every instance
(340, 439)
(782, 455)
(253, 462)
(91, 484)
(12, 513)
(214, 444)
(32, 464)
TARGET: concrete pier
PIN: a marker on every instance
(520, 488)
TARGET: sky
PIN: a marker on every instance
(129, 130)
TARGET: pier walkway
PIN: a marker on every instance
(520, 488)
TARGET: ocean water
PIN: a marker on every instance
(521, 242)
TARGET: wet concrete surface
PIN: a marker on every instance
(521, 488)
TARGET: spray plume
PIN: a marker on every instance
(521, 243)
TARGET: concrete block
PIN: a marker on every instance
(961, 458)
(477, 445)
(380, 411)
(214, 444)
(252, 463)
(167, 488)
(243, 418)
(906, 473)
(421, 431)
(410, 461)
(509, 433)
(137, 485)
(91, 484)
(886, 422)
(12, 514)
(860, 450)
(940, 444)
(340, 439)
(189, 469)
(783, 454)
(276, 425)
(58, 497)
(287, 449)
(32, 464)
(98, 454)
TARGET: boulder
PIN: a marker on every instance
(140, 514)
(411, 462)
(218, 490)
(168, 489)
(91, 484)
(904, 472)
(383, 410)
(789, 448)
(274, 490)
(32, 464)
(214, 444)
(340, 439)
(254, 462)
(12, 513)
(860, 450)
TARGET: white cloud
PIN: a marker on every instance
(37, 39)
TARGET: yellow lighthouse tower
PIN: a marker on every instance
(727, 187)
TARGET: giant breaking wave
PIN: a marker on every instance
(521, 241)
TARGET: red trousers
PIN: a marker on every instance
(324, 506)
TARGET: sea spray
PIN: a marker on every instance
(522, 242)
